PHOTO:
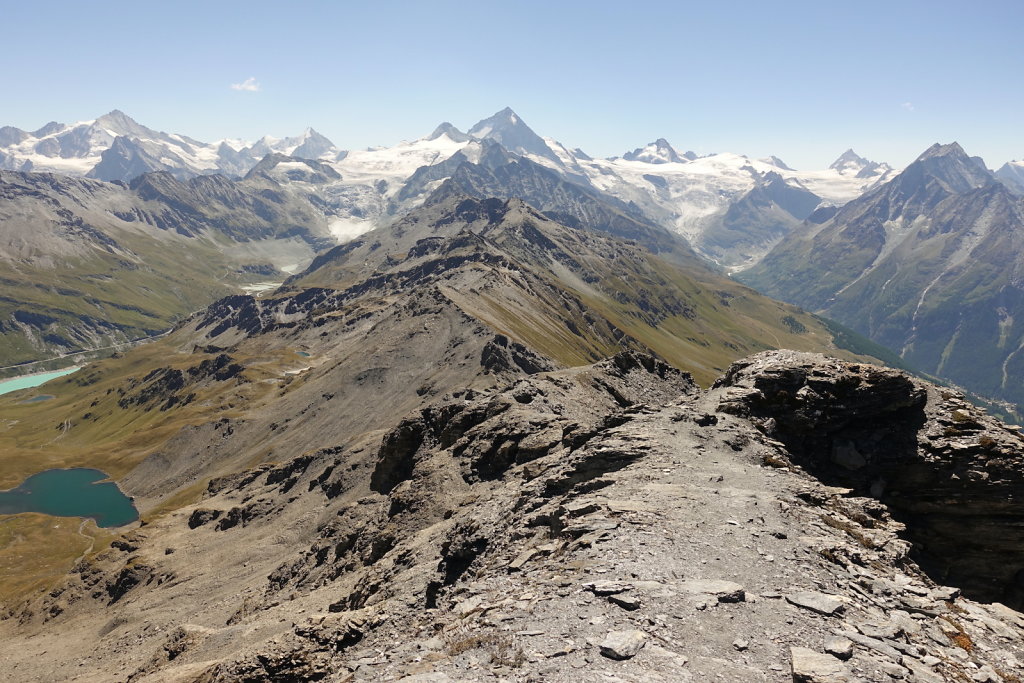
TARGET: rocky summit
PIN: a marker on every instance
(804, 519)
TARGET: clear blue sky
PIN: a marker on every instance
(802, 80)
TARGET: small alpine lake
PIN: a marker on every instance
(76, 492)
(27, 381)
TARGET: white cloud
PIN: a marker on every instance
(909, 106)
(250, 84)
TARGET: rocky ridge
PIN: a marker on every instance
(608, 522)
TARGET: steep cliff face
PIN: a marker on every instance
(952, 474)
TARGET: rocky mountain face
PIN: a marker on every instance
(928, 264)
(754, 223)
(127, 159)
(87, 264)
(499, 173)
(574, 295)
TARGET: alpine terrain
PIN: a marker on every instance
(481, 407)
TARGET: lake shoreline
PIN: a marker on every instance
(12, 384)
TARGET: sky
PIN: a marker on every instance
(800, 80)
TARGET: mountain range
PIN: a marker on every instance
(686, 193)
(244, 212)
(730, 209)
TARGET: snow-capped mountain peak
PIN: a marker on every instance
(511, 132)
(851, 164)
(658, 152)
(450, 131)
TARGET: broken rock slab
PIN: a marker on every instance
(608, 587)
(814, 667)
(822, 603)
(839, 647)
(725, 591)
(623, 644)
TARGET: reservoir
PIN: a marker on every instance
(77, 492)
(35, 380)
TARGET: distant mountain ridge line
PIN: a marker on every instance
(88, 139)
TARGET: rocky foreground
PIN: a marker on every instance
(805, 519)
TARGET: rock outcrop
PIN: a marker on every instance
(951, 473)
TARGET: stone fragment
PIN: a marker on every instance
(580, 508)
(881, 631)
(986, 674)
(608, 587)
(725, 591)
(1006, 614)
(839, 647)
(622, 644)
(878, 646)
(809, 666)
(740, 644)
(469, 606)
(522, 559)
(921, 671)
(894, 670)
(944, 593)
(821, 603)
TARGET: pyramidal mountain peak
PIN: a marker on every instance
(116, 121)
(952, 149)
(851, 164)
(1012, 175)
(848, 157)
(950, 165)
(115, 115)
(501, 120)
(509, 130)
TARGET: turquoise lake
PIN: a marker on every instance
(71, 493)
(9, 385)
